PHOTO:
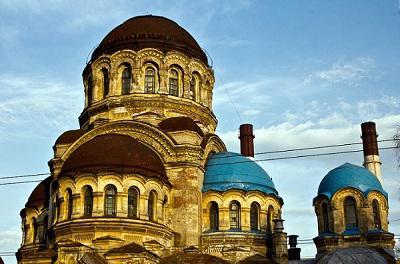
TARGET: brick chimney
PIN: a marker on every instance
(370, 147)
(246, 137)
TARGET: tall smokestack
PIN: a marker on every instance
(370, 147)
(246, 137)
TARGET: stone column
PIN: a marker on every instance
(98, 204)
(279, 238)
(163, 81)
(186, 204)
(245, 219)
(76, 206)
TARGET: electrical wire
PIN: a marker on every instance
(221, 163)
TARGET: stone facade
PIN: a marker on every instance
(127, 186)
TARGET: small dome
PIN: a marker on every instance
(354, 256)
(40, 194)
(69, 136)
(180, 123)
(150, 32)
(349, 175)
(229, 170)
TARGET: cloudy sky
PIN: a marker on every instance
(305, 73)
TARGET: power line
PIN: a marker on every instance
(19, 182)
(216, 164)
(24, 175)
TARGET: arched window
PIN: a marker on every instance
(88, 201)
(234, 215)
(133, 201)
(173, 82)
(270, 214)
(377, 217)
(110, 200)
(325, 217)
(152, 205)
(70, 204)
(106, 82)
(34, 230)
(126, 81)
(193, 84)
(90, 90)
(350, 213)
(58, 208)
(150, 80)
(254, 216)
(214, 216)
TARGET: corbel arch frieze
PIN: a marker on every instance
(133, 180)
(81, 182)
(149, 54)
(233, 195)
(66, 183)
(213, 144)
(338, 197)
(176, 58)
(374, 195)
(195, 66)
(123, 56)
(145, 134)
(212, 196)
(102, 62)
(272, 201)
(113, 179)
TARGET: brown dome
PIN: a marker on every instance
(118, 152)
(150, 32)
(69, 136)
(179, 124)
(39, 196)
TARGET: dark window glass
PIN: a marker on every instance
(214, 216)
(325, 217)
(110, 202)
(126, 81)
(88, 201)
(234, 215)
(173, 83)
(58, 208)
(34, 230)
(254, 214)
(150, 81)
(269, 219)
(90, 90)
(377, 217)
(152, 205)
(70, 203)
(133, 198)
(350, 212)
(193, 88)
(106, 82)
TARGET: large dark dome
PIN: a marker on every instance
(150, 32)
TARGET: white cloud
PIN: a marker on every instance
(297, 180)
(38, 104)
(9, 239)
(349, 72)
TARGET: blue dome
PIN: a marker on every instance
(349, 175)
(229, 170)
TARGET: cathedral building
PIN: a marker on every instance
(145, 179)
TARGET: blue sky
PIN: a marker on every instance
(305, 73)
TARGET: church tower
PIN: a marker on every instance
(352, 211)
